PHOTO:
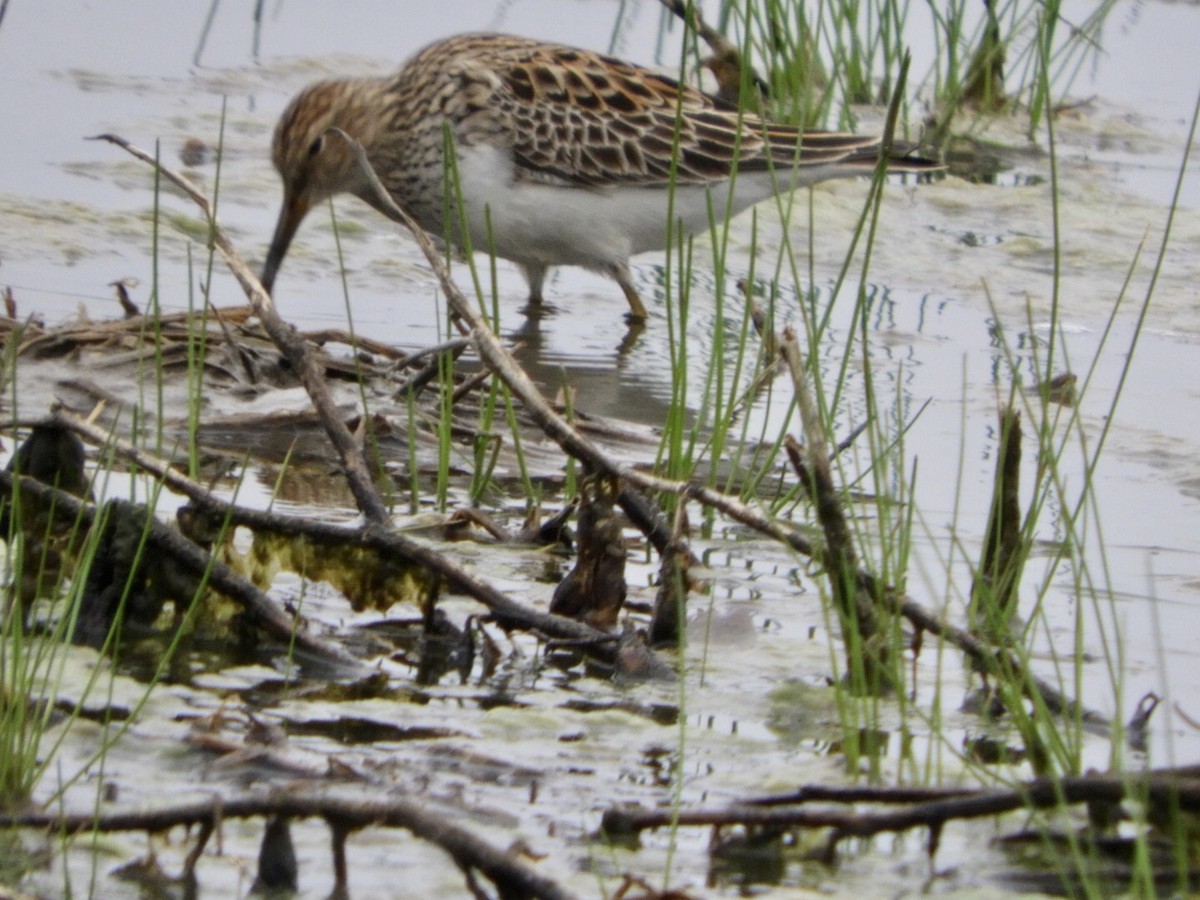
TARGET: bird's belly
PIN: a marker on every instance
(550, 224)
(573, 226)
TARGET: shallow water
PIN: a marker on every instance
(953, 260)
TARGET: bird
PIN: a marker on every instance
(561, 156)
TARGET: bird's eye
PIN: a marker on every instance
(315, 147)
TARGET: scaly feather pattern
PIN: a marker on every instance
(563, 156)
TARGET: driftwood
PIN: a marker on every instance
(506, 612)
(558, 429)
(640, 511)
(343, 813)
(994, 593)
(258, 609)
(902, 809)
(863, 636)
(294, 348)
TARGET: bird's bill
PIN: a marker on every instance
(295, 208)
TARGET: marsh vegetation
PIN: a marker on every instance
(809, 584)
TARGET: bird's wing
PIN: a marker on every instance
(572, 116)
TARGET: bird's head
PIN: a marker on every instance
(314, 163)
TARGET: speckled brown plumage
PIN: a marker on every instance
(562, 156)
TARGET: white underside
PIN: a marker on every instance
(541, 224)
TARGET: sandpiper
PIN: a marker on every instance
(562, 156)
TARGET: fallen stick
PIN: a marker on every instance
(348, 447)
(917, 806)
(257, 606)
(294, 348)
(507, 612)
(514, 877)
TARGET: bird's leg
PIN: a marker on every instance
(620, 272)
(535, 275)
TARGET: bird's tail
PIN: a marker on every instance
(849, 154)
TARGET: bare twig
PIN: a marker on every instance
(920, 807)
(856, 604)
(726, 63)
(293, 347)
(259, 609)
(557, 428)
(507, 612)
(514, 877)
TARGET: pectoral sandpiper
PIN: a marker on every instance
(563, 156)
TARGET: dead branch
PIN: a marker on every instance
(296, 351)
(726, 62)
(258, 608)
(555, 426)
(856, 606)
(294, 348)
(514, 877)
(994, 593)
(508, 613)
(495, 355)
(919, 808)
(357, 341)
